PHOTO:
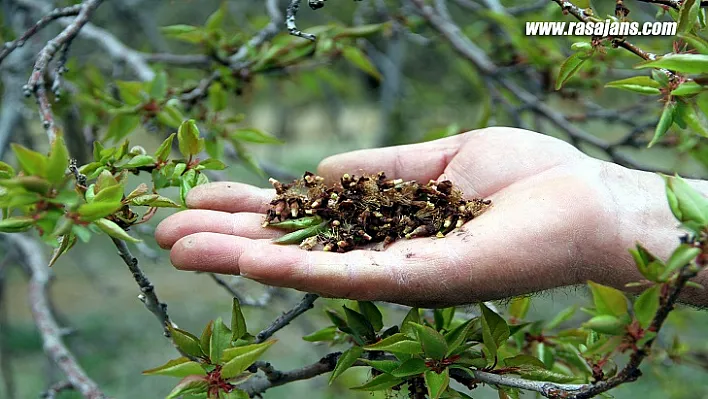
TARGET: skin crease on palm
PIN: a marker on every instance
(558, 218)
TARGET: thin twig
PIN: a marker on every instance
(262, 301)
(305, 304)
(56, 389)
(148, 296)
(37, 83)
(40, 305)
(53, 15)
(290, 15)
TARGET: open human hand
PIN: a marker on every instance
(558, 218)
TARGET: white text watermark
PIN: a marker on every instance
(600, 28)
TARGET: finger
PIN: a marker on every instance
(230, 197)
(421, 162)
(356, 274)
(192, 221)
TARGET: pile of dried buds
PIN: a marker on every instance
(366, 209)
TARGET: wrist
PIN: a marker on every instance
(637, 212)
(632, 209)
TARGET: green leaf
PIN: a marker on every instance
(154, 200)
(297, 224)
(296, 237)
(646, 305)
(685, 62)
(648, 264)
(185, 341)
(188, 138)
(380, 383)
(181, 367)
(396, 343)
(170, 116)
(457, 336)
(569, 67)
(121, 126)
(142, 189)
(413, 316)
(561, 317)
(443, 317)
(111, 194)
(139, 161)
(325, 334)
(362, 30)
(234, 394)
(132, 93)
(495, 324)
(97, 210)
(252, 135)
(31, 162)
(238, 322)
(689, 115)
(220, 340)
(525, 361)
(58, 161)
(217, 97)
(665, 122)
(6, 171)
(608, 301)
(185, 33)
(16, 224)
(238, 359)
(700, 44)
(163, 152)
(519, 307)
(386, 366)
(212, 164)
(189, 385)
(360, 325)
(691, 207)
(687, 88)
(216, 19)
(205, 338)
(66, 242)
(606, 324)
(411, 367)
(214, 147)
(186, 184)
(345, 361)
(372, 314)
(361, 61)
(688, 15)
(433, 343)
(158, 86)
(637, 84)
(681, 256)
(437, 383)
(34, 184)
(546, 375)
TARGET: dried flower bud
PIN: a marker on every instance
(367, 209)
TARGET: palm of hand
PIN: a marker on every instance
(543, 199)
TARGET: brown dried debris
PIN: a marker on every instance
(366, 209)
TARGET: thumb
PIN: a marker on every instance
(421, 162)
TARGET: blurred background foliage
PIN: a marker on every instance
(426, 92)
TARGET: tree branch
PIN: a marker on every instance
(41, 312)
(37, 83)
(290, 15)
(305, 304)
(53, 15)
(148, 296)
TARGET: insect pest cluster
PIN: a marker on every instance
(366, 209)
